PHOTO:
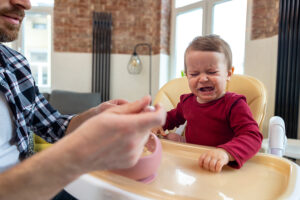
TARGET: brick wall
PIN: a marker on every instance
(265, 18)
(134, 21)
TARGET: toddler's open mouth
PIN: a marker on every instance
(206, 89)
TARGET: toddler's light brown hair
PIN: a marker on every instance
(210, 43)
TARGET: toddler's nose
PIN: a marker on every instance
(203, 77)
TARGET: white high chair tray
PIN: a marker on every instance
(179, 177)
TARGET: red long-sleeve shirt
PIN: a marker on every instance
(225, 123)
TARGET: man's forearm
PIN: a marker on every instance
(39, 177)
(79, 119)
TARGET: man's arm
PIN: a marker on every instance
(113, 139)
(39, 177)
(49, 124)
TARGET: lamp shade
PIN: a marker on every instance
(134, 65)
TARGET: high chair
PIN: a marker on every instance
(180, 178)
(253, 89)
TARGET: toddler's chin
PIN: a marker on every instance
(205, 99)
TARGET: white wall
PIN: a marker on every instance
(73, 72)
(261, 63)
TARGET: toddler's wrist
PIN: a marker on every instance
(230, 157)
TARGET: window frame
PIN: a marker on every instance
(207, 7)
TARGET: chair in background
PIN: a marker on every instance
(67, 102)
(250, 87)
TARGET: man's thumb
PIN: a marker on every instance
(134, 107)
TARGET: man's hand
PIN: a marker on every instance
(115, 138)
(109, 104)
(214, 160)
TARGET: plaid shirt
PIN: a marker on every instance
(31, 111)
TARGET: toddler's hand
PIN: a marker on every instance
(175, 137)
(158, 131)
(214, 160)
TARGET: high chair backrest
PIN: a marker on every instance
(253, 89)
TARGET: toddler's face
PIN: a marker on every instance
(207, 74)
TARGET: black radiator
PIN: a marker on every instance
(288, 66)
(102, 27)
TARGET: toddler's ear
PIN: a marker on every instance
(230, 73)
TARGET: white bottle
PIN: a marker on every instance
(277, 136)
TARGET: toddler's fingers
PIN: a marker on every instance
(206, 162)
(212, 165)
(200, 160)
(155, 130)
(219, 165)
(162, 132)
(158, 131)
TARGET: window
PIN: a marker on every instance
(41, 26)
(181, 3)
(35, 41)
(40, 3)
(37, 46)
(191, 18)
(186, 31)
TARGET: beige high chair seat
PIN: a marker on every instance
(253, 89)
